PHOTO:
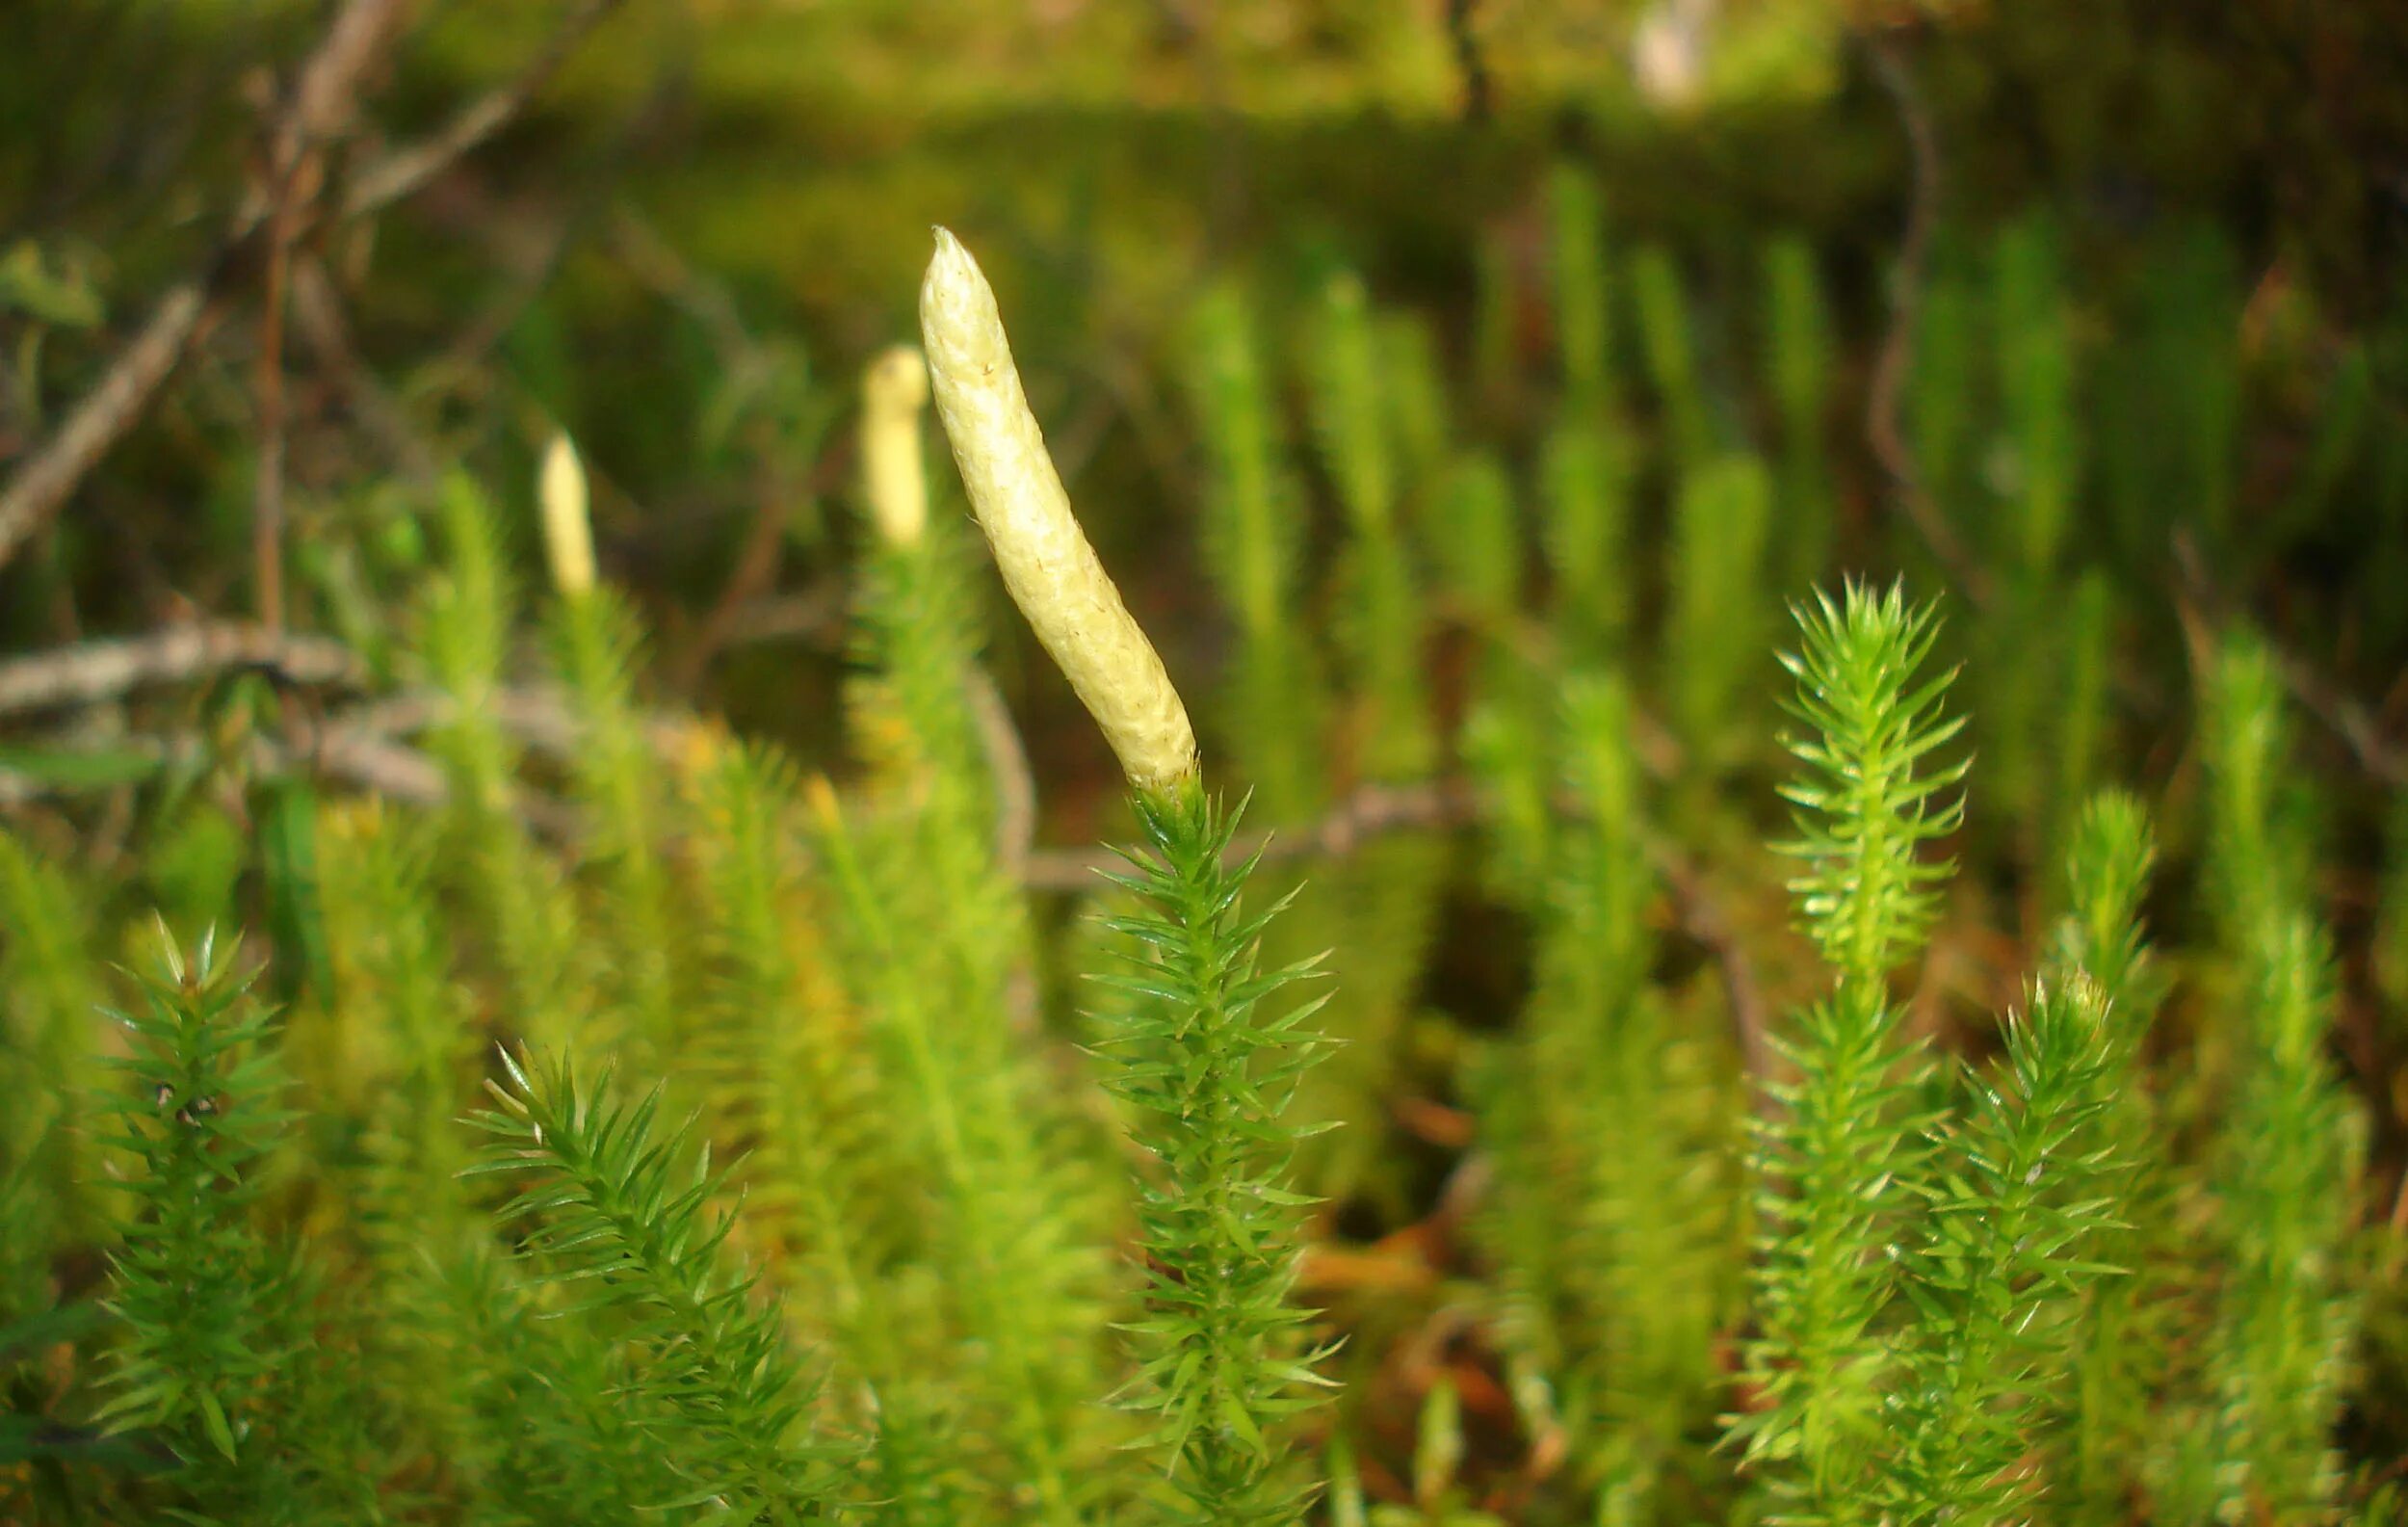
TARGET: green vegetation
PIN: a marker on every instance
(633, 995)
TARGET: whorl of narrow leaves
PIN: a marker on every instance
(2280, 1351)
(466, 615)
(2106, 871)
(48, 1054)
(1210, 1066)
(2122, 1346)
(1671, 355)
(1830, 1200)
(624, 1213)
(1584, 474)
(1341, 366)
(1250, 527)
(1713, 627)
(1836, 1157)
(2038, 368)
(1476, 547)
(2256, 860)
(1380, 606)
(1413, 385)
(2017, 1210)
(197, 1288)
(2286, 1158)
(1252, 531)
(1578, 283)
(1799, 371)
(1871, 795)
(600, 649)
(1000, 1239)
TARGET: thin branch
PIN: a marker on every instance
(1372, 811)
(1700, 914)
(35, 489)
(2206, 607)
(323, 100)
(1896, 358)
(36, 492)
(318, 316)
(1007, 760)
(1470, 63)
(341, 754)
(95, 671)
(813, 614)
(406, 171)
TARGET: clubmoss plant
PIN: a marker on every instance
(797, 1084)
(1477, 545)
(1838, 1156)
(599, 650)
(632, 1216)
(50, 1039)
(2287, 1158)
(1252, 533)
(2003, 1258)
(1581, 289)
(1413, 389)
(1713, 634)
(947, 1002)
(222, 1367)
(2121, 1345)
(1386, 733)
(466, 615)
(1799, 363)
(1610, 1220)
(1584, 479)
(1206, 1066)
(1670, 349)
(412, 1055)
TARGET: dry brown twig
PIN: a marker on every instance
(2205, 610)
(1884, 431)
(274, 215)
(406, 171)
(92, 673)
(318, 317)
(1007, 759)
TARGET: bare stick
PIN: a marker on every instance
(1897, 355)
(323, 101)
(2206, 607)
(94, 671)
(36, 490)
(267, 522)
(1007, 759)
(407, 169)
(318, 317)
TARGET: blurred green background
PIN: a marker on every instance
(686, 241)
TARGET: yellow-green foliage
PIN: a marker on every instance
(827, 1183)
(49, 995)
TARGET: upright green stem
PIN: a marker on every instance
(1211, 1076)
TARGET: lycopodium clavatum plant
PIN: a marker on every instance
(754, 1099)
(1206, 1047)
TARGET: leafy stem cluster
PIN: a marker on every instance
(1208, 1059)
